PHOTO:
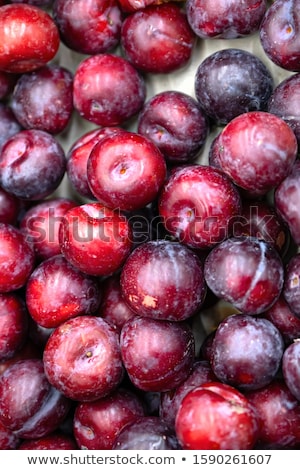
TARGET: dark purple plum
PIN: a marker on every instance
(43, 99)
(278, 412)
(285, 101)
(230, 82)
(176, 124)
(280, 34)
(32, 164)
(158, 355)
(259, 219)
(246, 351)
(246, 272)
(35, 408)
(97, 424)
(146, 433)
(225, 19)
(284, 319)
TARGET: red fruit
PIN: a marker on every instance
(29, 405)
(216, 416)
(95, 239)
(198, 205)
(163, 280)
(107, 90)
(57, 291)
(97, 424)
(257, 151)
(157, 39)
(82, 358)
(16, 258)
(126, 171)
(29, 38)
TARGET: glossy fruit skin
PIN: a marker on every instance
(274, 403)
(126, 171)
(216, 416)
(157, 39)
(146, 433)
(257, 151)
(250, 367)
(17, 258)
(30, 406)
(40, 224)
(43, 99)
(255, 278)
(50, 302)
(29, 38)
(88, 27)
(225, 19)
(95, 239)
(230, 82)
(198, 205)
(13, 324)
(286, 199)
(32, 164)
(175, 123)
(107, 90)
(280, 36)
(97, 424)
(77, 157)
(170, 401)
(157, 355)
(284, 102)
(163, 280)
(82, 358)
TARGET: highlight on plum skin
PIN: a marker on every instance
(246, 272)
(157, 354)
(222, 410)
(198, 205)
(82, 358)
(163, 280)
(252, 367)
(29, 38)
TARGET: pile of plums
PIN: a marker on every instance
(149, 234)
